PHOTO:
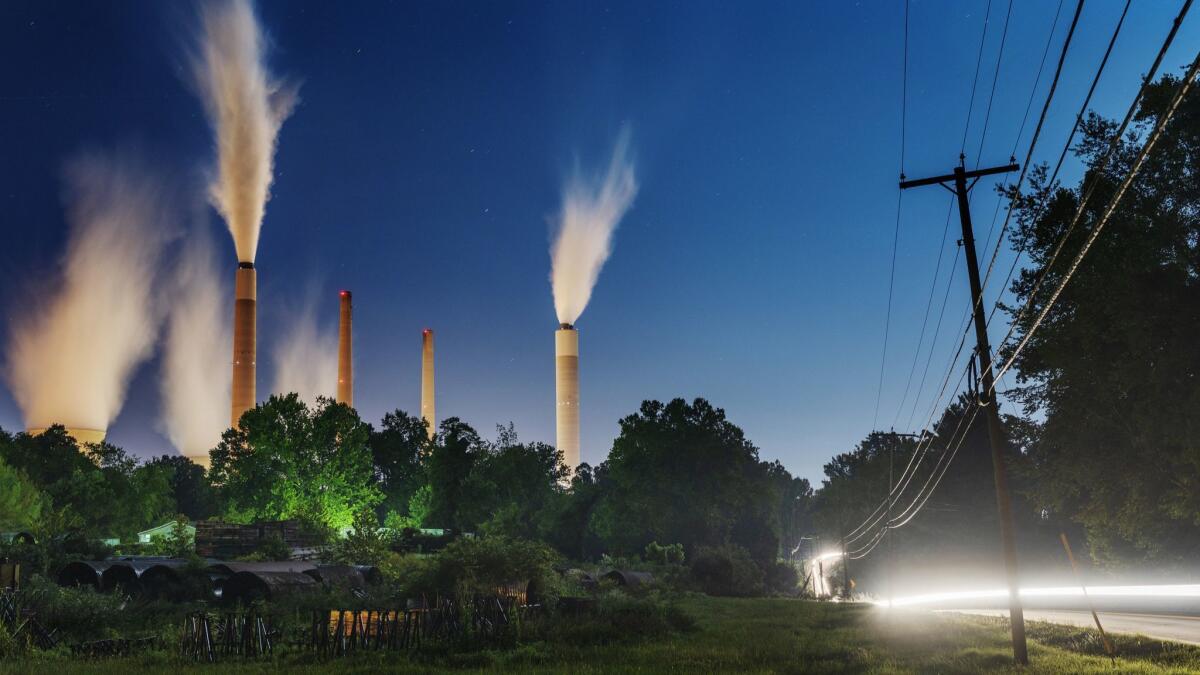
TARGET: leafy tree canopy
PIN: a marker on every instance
(285, 460)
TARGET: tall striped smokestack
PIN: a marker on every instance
(345, 388)
(428, 413)
(244, 349)
(566, 391)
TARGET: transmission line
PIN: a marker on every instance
(887, 324)
(1070, 137)
(1159, 126)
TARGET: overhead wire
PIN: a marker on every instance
(906, 478)
(950, 210)
(887, 324)
(1181, 91)
(1066, 147)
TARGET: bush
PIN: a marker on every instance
(616, 617)
(671, 554)
(485, 564)
(364, 544)
(411, 574)
(727, 571)
(782, 578)
(81, 613)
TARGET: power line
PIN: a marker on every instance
(1097, 169)
(1070, 137)
(999, 201)
(915, 460)
(1025, 118)
(1037, 132)
(995, 79)
(974, 83)
(887, 324)
(926, 491)
(1161, 124)
(982, 137)
(937, 270)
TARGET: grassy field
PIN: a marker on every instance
(745, 636)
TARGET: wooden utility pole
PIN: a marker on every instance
(987, 398)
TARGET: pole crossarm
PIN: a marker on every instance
(978, 173)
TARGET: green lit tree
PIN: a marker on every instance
(287, 461)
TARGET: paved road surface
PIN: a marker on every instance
(1160, 626)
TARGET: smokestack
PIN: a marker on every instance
(566, 390)
(245, 297)
(427, 404)
(345, 388)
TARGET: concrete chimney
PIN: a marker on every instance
(244, 349)
(345, 388)
(428, 412)
(566, 390)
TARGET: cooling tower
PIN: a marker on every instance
(245, 297)
(566, 392)
(81, 436)
(427, 405)
(345, 388)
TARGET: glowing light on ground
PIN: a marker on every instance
(1137, 591)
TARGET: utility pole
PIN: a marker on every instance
(891, 500)
(987, 398)
(845, 573)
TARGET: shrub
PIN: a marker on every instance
(484, 564)
(726, 570)
(671, 554)
(616, 617)
(782, 578)
(78, 612)
(364, 544)
(410, 574)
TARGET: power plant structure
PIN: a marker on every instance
(244, 345)
(345, 387)
(566, 392)
(428, 412)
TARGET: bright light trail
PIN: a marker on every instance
(1145, 591)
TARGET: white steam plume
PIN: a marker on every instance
(306, 360)
(196, 377)
(591, 209)
(246, 107)
(71, 356)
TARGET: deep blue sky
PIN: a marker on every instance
(422, 166)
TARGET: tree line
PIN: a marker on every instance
(679, 474)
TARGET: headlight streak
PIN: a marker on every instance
(1144, 591)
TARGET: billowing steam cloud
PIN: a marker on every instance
(306, 359)
(70, 359)
(196, 377)
(591, 209)
(246, 107)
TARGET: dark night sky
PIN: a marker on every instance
(427, 155)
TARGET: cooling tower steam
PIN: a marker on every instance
(196, 377)
(246, 107)
(71, 356)
(306, 361)
(591, 209)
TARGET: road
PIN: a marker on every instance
(1173, 627)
